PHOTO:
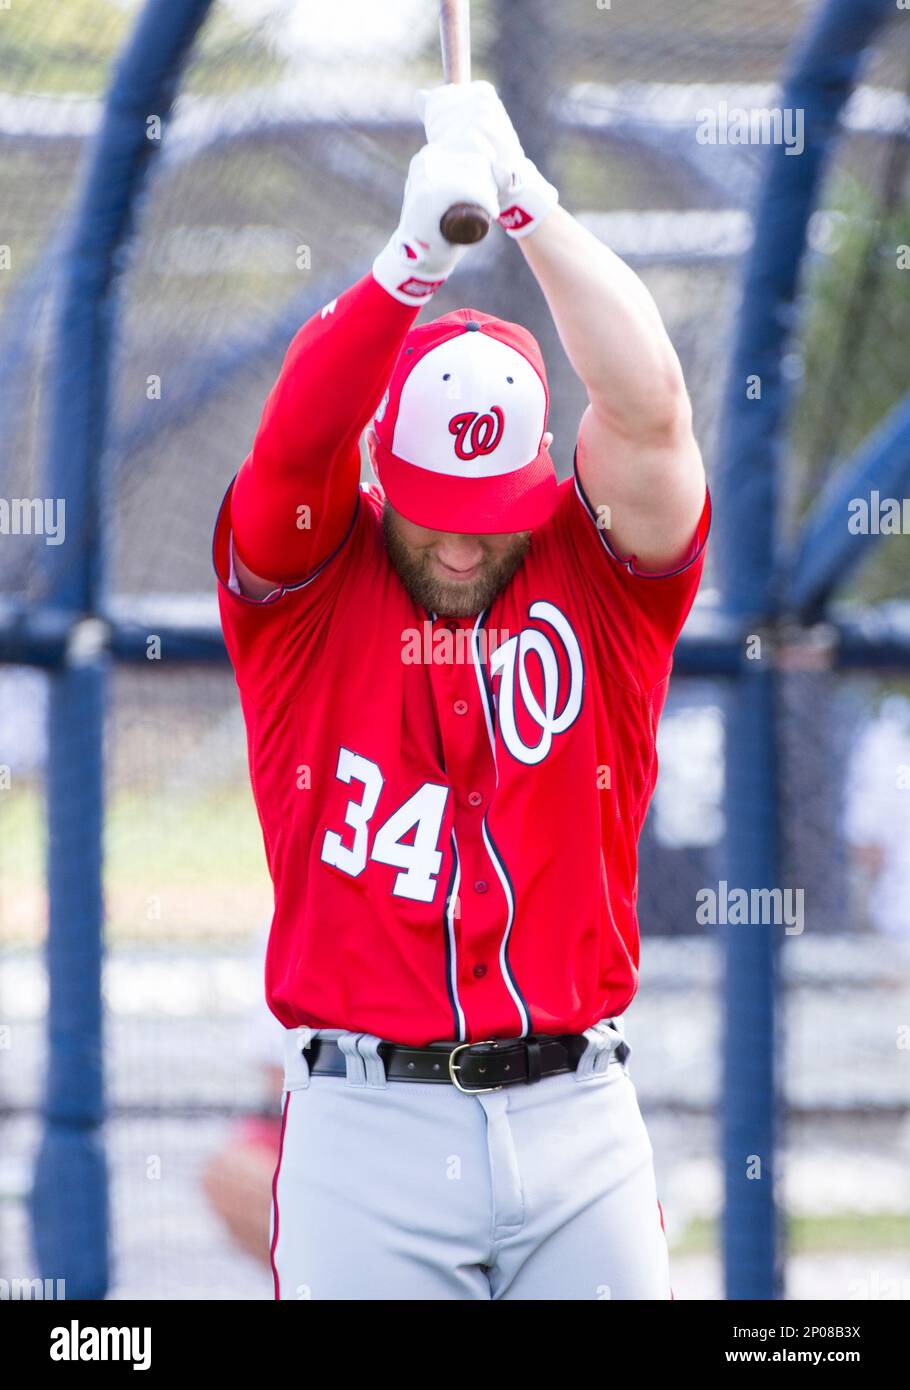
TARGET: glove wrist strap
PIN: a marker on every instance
(403, 277)
(526, 203)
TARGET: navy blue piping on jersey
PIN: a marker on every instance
(448, 936)
(486, 694)
(483, 668)
(518, 998)
(627, 564)
(280, 589)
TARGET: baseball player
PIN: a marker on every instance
(451, 683)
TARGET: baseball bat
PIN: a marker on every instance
(463, 223)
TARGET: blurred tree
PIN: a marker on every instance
(853, 348)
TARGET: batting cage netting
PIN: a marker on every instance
(278, 178)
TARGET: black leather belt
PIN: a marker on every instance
(472, 1067)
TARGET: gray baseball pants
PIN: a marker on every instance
(390, 1190)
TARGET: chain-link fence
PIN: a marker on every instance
(279, 178)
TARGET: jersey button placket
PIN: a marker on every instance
(470, 771)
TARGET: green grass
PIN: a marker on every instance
(814, 1235)
(151, 835)
(174, 865)
(21, 835)
(147, 833)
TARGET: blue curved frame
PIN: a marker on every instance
(69, 1203)
(752, 572)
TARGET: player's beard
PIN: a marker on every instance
(447, 598)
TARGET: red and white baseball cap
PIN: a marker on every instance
(461, 427)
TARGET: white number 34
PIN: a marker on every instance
(420, 861)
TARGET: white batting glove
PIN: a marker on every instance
(473, 110)
(418, 259)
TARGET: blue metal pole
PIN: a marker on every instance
(825, 69)
(69, 1205)
(827, 551)
(750, 1232)
(69, 1197)
(746, 504)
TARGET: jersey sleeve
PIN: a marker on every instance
(294, 512)
(294, 496)
(634, 616)
(271, 641)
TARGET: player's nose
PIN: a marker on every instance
(459, 552)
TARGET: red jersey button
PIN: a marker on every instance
(460, 707)
(479, 971)
(474, 798)
(481, 886)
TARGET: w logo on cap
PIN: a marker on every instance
(446, 458)
(476, 433)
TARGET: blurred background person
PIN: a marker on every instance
(877, 817)
(237, 1180)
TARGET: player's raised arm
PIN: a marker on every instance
(295, 494)
(636, 452)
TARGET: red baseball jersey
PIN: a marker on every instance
(450, 807)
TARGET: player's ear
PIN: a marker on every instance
(371, 449)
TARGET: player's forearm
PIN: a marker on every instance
(609, 325)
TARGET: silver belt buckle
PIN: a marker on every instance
(453, 1068)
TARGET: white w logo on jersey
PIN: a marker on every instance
(560, 708)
